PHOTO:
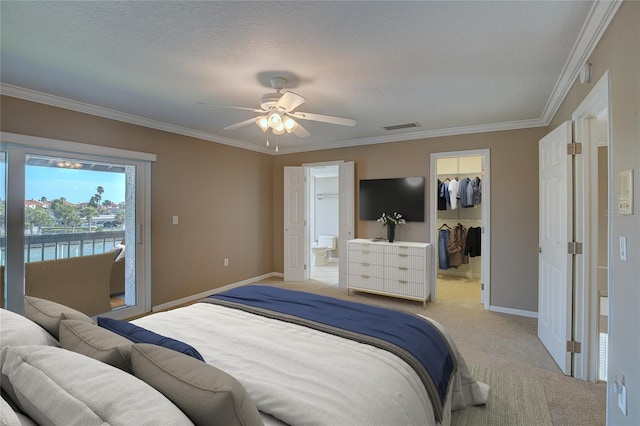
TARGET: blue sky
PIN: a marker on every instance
(77, 186)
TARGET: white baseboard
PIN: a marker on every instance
(512, 311)
(193, 298)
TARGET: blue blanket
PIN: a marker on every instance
(408, 336)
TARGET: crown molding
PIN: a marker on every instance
(451, 131)
(594, 27)
(57, 101)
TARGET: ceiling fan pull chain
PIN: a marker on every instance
(267, 138)
(277, 137)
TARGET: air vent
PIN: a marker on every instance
(401, 126)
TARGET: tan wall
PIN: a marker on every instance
(221, 194)
(514, 201)
(618, 52)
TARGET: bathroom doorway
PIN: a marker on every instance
(323, 201)
(303, 226)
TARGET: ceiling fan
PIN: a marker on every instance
(278, 112)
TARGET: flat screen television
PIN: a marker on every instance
(402, 195)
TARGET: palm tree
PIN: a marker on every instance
(89, 213)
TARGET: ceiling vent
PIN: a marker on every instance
(401, 126)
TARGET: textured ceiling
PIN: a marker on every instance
(452, 66)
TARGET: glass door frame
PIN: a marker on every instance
(17, 147)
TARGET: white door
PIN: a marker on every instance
(555, 227)
(296, 253)
(347, 216)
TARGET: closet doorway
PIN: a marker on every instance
(460, 226)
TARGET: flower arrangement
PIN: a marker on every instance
(394, 219)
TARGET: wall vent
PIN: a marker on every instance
(401, 126)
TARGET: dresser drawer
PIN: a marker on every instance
(405, 288)
(392, 273)
(366, 282)
(373, 257)
(405, 261)
(404, 250)
(364, 268)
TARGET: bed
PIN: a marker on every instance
(302, 361)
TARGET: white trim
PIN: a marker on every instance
(511, 311)
(597, 22)
(452, 131)
(204, 294)
(57, 101)
(61, 145)
(586, 296)
(485, 272)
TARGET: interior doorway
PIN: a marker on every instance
(298, 222)
(323, 200)
(460, 218)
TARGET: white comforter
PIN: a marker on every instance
(305, 377)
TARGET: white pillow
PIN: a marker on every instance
(8, 417)
(55, 386)
(16, 330)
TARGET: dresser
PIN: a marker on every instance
(398, 269)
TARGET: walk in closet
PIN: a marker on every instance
(460, 191)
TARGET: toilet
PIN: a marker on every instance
(321, 249)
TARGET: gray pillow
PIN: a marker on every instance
(58, 387)
(96, 342)
(47, 314)
(207, 395)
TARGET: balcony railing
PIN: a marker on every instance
(58, 246)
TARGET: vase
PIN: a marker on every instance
(391, 232)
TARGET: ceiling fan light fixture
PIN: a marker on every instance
(289, 124)
(274, 119)
(263, 123)
(279, 129)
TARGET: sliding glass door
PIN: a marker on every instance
(75, 225)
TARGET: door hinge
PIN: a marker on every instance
(305, 267)
(575, 248)
(481, 286)
(574, 148)
(574, 347)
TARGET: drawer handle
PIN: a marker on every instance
(365, 276)
(403, 281)
(403, 255)
(403, 247)
(402, 268)
(365, 264)
(365, 251)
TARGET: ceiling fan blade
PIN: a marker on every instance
(242, 123)
(301, 132)
(324, 118)
(290, 101)
(231, 107)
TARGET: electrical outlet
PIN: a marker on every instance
(226, 261)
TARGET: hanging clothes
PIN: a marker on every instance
(464, 198)
(443, 251)
(473, 246)
(453, 193)
(456, 247)
(442, 200)
(476, 184)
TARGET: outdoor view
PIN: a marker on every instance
(72, 208)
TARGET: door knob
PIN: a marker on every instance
(539, 249)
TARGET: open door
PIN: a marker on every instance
(295, 245)
(555, 270)
(346, 224)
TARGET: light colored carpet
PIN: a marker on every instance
(500, 342)
(513, 401)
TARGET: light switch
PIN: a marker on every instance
(175, 220)
(623, 248)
